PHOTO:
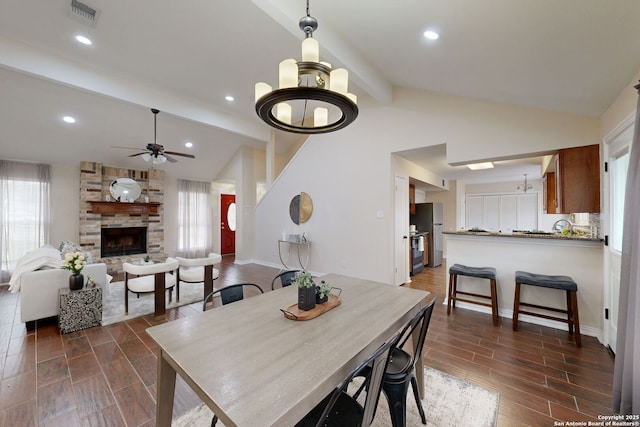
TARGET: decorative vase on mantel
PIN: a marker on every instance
(76, 281)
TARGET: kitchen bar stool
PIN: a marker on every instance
(481, 272)
(563, 283)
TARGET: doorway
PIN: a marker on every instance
(400, 231)
(227, 224)
(617, 157)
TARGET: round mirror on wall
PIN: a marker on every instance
(300, 208)
(124, 190)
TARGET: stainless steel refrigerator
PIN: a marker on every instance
(428, 218)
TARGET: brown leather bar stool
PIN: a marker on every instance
(481, 272)
(563, 283)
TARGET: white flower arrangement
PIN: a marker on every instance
(74, 262)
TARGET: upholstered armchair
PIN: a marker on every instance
(198, 270)
(150, 277)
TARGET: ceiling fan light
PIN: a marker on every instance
(159, 159)
(146, 157)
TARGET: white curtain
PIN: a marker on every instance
(25, 213)
(626, 376)
(195, 219)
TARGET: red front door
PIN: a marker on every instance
(227, 223)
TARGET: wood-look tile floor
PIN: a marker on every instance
(106, 376)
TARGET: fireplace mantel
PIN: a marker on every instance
(124, 208)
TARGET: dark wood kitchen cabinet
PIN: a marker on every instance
(578, 180)
(412, 199)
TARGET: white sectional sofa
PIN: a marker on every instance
(39, 289)
(38, 277)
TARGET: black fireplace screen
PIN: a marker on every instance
(123, 241)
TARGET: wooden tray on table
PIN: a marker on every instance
(294, 313)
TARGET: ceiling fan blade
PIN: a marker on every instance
(137, 154)
(170, 159)
(191, 156)
(126, 148)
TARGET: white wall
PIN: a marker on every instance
(65, 204)
(170, 204)
(350, 178)
(448, 200)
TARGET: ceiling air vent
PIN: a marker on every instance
(84, 13)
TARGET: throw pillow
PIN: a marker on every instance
(66, 247)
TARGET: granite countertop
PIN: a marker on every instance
(526, 235)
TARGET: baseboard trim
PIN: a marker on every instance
(508, 314)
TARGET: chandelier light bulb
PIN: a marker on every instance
(261, 90)
(339, 81)
(320, 116)
(283, 112)
(288, 72)
(310, 50)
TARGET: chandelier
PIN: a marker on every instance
(311, 96)
(525, 187)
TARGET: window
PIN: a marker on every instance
(195, 239)
(619, 167)
(24, 211)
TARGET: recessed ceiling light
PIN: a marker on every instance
(188, 144)
(83, 40)
(229, 98)
(69, 119)
(480, 166)
(431, 35)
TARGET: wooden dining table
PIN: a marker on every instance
(253, 367)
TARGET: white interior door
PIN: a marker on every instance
(401, 231)
(618, 161)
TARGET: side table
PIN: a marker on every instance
(307, 248)
(79, 309)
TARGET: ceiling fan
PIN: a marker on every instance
(154, 151)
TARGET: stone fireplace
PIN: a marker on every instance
(95, 179)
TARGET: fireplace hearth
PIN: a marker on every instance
(123, 241)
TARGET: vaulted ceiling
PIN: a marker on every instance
(185, 57)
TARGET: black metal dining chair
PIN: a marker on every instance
(339, 409)
(285, 278)
(229, 294)
(401, 369)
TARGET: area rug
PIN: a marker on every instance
(449, 401)
(113, 301)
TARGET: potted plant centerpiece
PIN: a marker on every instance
(306, 290)
(74, 262)
(322, 292)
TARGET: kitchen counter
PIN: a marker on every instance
(552, 254)
(525, 235)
